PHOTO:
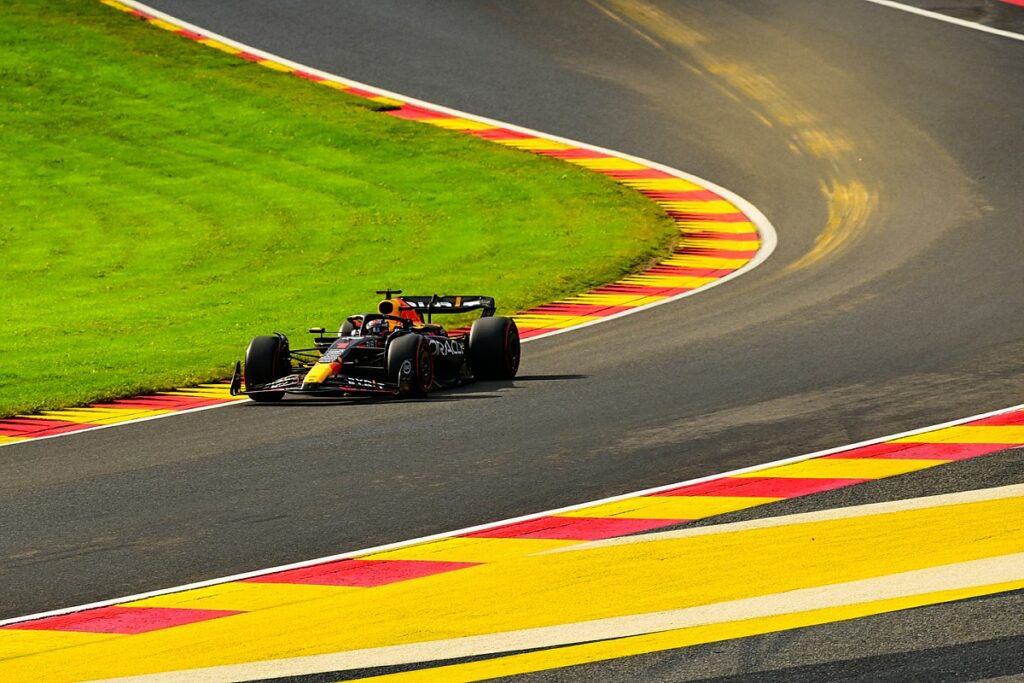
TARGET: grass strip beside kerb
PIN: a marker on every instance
(163, 203)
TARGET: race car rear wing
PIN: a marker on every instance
(451, 304)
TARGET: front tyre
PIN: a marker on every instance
(493, 349)
(266, 359)
(410, 365)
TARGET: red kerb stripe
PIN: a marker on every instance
(577, 309)
(716, 217)
(577, 153)
(636, 174)
(417, 113)
(683, 271)
(359, 92)
(1005, 420)
(574, 528)
(731, 236)
(122, 620)
(641, 290)
(922, 451)
(527, 332)
(760, 487)
(500, 134)
(683, 196)
(718, 253)
(361, 573)
(191, 34)
(30, 427)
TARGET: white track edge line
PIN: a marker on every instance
(490, 525)
(947, 19)
(769, 238)
(941, 500)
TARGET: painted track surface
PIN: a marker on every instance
(421, 604)
(910, 319)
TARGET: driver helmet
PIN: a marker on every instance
(378, 328)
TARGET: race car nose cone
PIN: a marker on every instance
(318, 373)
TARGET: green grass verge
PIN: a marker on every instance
(162, 203)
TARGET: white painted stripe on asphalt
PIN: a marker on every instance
(947, 19)
(991, 571)
(869, 509)
(769, 238)
(491, 525)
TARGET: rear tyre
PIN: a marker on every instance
(266, 359)
(410, 364)
(493, 350)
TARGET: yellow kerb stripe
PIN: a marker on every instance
(716, 226)
(717, 206)
(533, 143)
(714, 262)
(725, 245)
(270, 64)
(459, 124)
(116, 5)
(243, 597)
(334, 84)
(608, 164)
(97, 415)
(15, 643)
(200, 393)
(846, 468)
(964, 434)
(662, 184)
(217, 45)
(553, 321)
(682, 281)
(390, 101)
(615, 648)
(614, 299)
(164, 25)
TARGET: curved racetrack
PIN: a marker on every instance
(884, 147)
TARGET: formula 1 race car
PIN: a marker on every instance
(392, 352)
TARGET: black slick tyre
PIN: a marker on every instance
(493, 351)
(410, 364)
(266, 359)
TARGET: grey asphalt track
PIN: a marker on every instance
(912, 126)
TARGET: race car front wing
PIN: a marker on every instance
(293, 384)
